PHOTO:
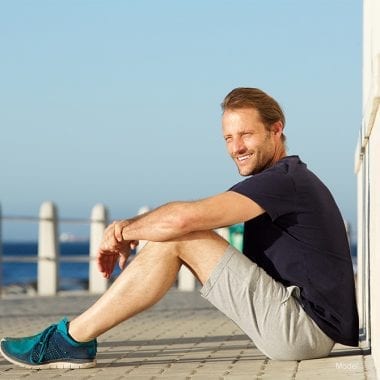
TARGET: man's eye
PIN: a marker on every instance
(228, 139)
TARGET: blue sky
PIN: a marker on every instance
(118, 101)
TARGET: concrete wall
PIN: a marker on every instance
(367, 165)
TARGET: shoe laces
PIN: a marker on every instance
(43, 343)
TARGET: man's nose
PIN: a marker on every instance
(238, 146)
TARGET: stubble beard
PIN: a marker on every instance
(259, 163)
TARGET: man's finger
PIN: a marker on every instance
(123, 260)
(118, 232)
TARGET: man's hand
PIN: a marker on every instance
(114, 248)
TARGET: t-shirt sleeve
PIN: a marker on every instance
(273, 190)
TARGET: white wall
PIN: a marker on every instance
(367, 166)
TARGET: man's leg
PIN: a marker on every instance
(267, 311)
(141, 284)
(146, 280)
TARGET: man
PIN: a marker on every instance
(292, 291)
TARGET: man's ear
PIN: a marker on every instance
(277, 128)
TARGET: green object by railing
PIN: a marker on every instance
(236, 236)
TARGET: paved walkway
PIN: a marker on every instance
(183, 337)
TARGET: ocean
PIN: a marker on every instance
(72, 275)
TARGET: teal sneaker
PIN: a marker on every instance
(51, 348)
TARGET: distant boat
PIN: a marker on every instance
(66, 237)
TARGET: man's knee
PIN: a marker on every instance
(201, 235)
(199, 250)
(201, 241)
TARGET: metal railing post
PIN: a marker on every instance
(48, 250)
(142, 210)
(99, 221)
(186, 280)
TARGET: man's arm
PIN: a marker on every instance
(179, 218)
(171, 221)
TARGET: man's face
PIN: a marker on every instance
(249, 143)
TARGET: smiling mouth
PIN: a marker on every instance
(244, 157)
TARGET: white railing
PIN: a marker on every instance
(48, 258)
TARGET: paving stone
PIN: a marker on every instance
(182, 337)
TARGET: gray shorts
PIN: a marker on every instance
(267, 311)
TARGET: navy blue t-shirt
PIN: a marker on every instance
(301, 240)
